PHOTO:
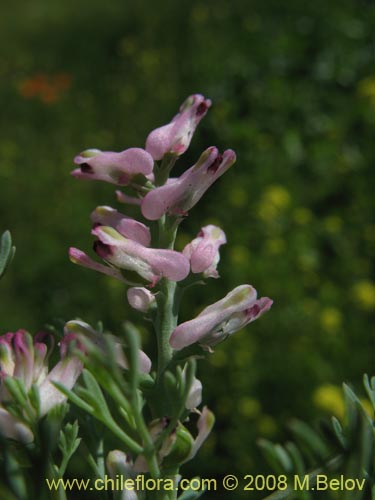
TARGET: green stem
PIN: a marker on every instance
(167, 300)
(162, 173)
(166, 322)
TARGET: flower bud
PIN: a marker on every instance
(203, 251)
(177, 447)
(141, 298)
(174, 138)
(205, 423)
(194, 398)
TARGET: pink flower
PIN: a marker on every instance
(221, 319)
(116, 168)
(25, 359)
(128, 227)
(141, 298)
(180, 195)
(174, 138)
(82, 259)
(152, 264)
(203, 251)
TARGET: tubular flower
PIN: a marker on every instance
(203, 251)
(82, 259)
(128, 227)
(152, 264)
(25, 359)
(116, 168)
(181, 194)
(174, 138)
(83, 331)
(221, 319)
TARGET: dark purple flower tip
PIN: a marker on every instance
(96, 224)
(202, 108)
(86, 168)
(215, 164)
(103, 250)
(253, 311)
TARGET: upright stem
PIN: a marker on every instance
(166, 323)
(166, 320)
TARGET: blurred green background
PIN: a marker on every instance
(293, 94)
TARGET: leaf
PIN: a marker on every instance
(339, 433)
(271, 455)
(370, 389)
(311, 439)
(7, 252)
(95, 394)
(68, 444)
(74, 398)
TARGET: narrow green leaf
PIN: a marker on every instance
(339, 433)
(283, 458)
(74, 398)
(370, 389)
(97, 399)
(271, 455)
(16, 390)
(68, 444)
(310, 438)
(7, 252)
(299, 465)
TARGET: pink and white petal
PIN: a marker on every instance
(78, 257)
(12, 428)
(66, 372)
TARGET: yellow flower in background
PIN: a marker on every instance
(364, 294)
(239, 255)
(330, 398)
(366, 88)
(302, 215)
(267, 426)
(367, 407)
(275, 246)
(238, 196)
(331, 319)
(333, 224)
(274, 201)
(249, 407)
